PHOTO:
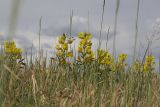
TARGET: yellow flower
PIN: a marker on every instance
(149, 64)
(81, 35)
(104, 57)
(70, 54)
(63, 61)
(65, 46)
(121, 61)
(89, 43)
(84, 42)
(11, 50)
(145, 68)
(17, 51)
(88, 36)
(88, 50)
(137, 66)
(84, 48)
(62, 39)
(122, 57)
(91, 55)
(113, 67)
(60, 53)
(58, 47)
(79, 49)
(79, 59)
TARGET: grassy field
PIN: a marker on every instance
(77, 76)
(84, 79)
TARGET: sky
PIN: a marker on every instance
(56, 20)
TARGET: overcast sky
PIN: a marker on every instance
(55, 20)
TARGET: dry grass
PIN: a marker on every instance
(69, 86)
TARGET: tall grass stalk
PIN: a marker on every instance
(115, 28)
(71, 24)
(13, 18)
(147, 49)
(39, 41)
(88, 22)
(136, 30)
(71, 21)
(107, 38)
(39, 35)
(159, 64)
(100, 36)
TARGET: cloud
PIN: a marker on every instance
(78, 19)
(124, 36)
(79, 24)
(27, 40)
(158, 20)
(56, 23)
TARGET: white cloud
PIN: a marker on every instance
(79, 19)
(158, 20)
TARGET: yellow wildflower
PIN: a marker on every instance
(88, 50)
(65, 46)
(79, 49)
(122, 57)
(84, 48)
(137, 66)
(104, 57)
(62, 51)
(81, 35)
(149, 64)
(62, 39)
(11, 50)
(89, 43)
(58, 47)
(88, 36)
(70, 54)
(79, 59)
(84, 42)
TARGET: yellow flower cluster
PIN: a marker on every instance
(137, 66)
(85, 53)
(62, 50)
(121, 59)
(104, 57)
(149, 64)
(120, 64)
(11, 50)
